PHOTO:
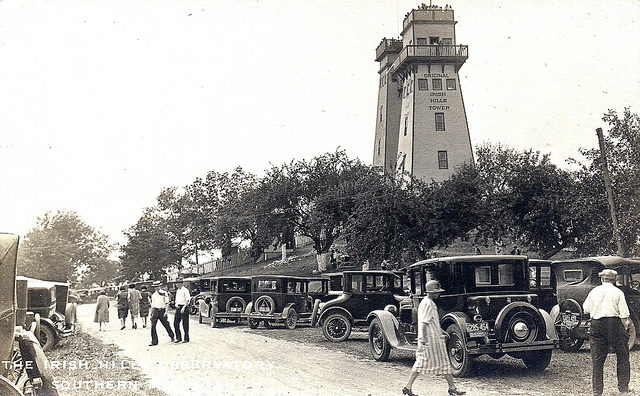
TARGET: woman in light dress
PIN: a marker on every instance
(102, 310)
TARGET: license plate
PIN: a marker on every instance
(569, 320)
(235, 309)
(478, 329)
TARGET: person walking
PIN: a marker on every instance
(607, 307)
(102, 310)
(134, 304)
(123, 305)
(159, 307)
(182, 311)
(145, 304)
(431, 356)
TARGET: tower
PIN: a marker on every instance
(421, 124)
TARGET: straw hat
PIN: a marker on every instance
(608, 274)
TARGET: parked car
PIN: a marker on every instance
(487, 308)
(280, 298)
(227, 299)
(193, 284)
(49, 301)
(17, 344)
(575, 279)
(362, 292)
(543, 283)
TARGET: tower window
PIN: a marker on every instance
(436, 84)
(443, 161)
(421, 41)
(422, 84)
(381, 107)
(378, 146)
(406, 125)
(445, 41)
(451, 84)
(439, 122)
(434, 40)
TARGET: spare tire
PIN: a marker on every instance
(520, 322)
(265, 305)
(236, 305)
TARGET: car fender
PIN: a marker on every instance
(326, 312)
(549, 324)
(249, 308)
(390, 325)
(341, 298)
(555, 311)
(460, 319)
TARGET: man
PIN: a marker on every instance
(431, 356)
(159, 307)
(134, 304)
(182, 311)
(609, 323)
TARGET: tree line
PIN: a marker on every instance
(507, 195)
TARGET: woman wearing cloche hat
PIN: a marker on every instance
(431, 356)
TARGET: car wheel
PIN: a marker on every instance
(253, 323)
(571, 344)
(378, 344)
(47, 337)
(459, 358)
(632, 331)
(265, 305)
(336, 327)
(200, 318)
(292, 319)
(193, 310)
(214, 322)
(537, 360)
(267, 324)
(7, 388)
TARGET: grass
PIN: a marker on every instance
(84, 366)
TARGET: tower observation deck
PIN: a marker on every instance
(421, 124)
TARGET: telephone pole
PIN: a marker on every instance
(607, 186)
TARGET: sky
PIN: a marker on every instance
(104, 103)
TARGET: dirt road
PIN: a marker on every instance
(234, 361)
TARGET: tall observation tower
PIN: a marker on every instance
(421, 125)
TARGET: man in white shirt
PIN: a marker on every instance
(607, 307)
(159, 306)
(182, 311)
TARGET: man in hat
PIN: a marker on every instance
(159, 307)
(182, 311)
(431, 356)
(610, 320)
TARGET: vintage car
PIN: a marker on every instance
(193, 284)
(318, 288)
(227, 299)
(49, 301)
(362, 292)
(543, 283)
(280, 298)
(18, 345)
(575, 279)
(486, 309)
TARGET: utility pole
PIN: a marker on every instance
(607, 186)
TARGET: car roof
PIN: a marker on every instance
(372, 272)
(33, 282)
(480, 258)
(230, 277)
(607, 261)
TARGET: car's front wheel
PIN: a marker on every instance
(632, 331)
(378, 344)
(292, 319)
(336, 327)
(47, 337)
(538, 360)
(459, 358)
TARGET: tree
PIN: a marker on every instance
(62, 247)
(622, 143)
(525, 198)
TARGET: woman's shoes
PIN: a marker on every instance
(407, 391)
(455, 392)
(122, 328)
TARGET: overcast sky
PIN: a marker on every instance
(103, 103)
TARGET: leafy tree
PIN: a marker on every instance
(525, 198)
(62, 247)
(152, 246)
(622, 143)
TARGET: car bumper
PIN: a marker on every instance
(481, 349)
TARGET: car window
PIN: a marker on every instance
(505, 274)
(483, 275)
(573, 275)
(356, 283)
(533, 277)
(545, 276)
(416, 282)
(315, 286)
(232, 286)
(336, 283)
(267, 285)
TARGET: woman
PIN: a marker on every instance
(134, 305)
(102, 309)
(431, 356)
(123, 305)
(145, 303)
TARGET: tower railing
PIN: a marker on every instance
(432, 53)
